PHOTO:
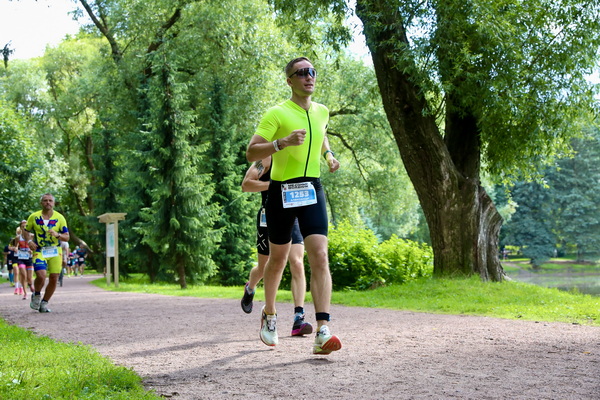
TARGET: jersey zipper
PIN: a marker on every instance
(309, 143)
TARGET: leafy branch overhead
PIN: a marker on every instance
(6, 53)
(509, 80)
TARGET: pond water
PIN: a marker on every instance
(588, 283)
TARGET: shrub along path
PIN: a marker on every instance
(191, 348)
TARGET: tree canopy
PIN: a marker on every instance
(149, 110)
(473, 86)
(560, 212)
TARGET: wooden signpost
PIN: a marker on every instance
(112, 242)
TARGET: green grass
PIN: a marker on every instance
(509, 268)
(140, 284)
(36, 367)
(554, 265)
(511, 300)
(517, 259)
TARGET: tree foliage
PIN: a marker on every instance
(372, 173)
(178, 225)
(148, 111)
(574, 188)
(563, 210)
(22, 168)
(531, 226)
(473, 86)
(6, 53)
(27, 164)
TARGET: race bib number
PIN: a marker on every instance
(50, 251)
(81, 259)
(298, 194)
(263, 219)
(24, 254)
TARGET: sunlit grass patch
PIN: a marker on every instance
(512, 300)
(36, 367)
(509, 268)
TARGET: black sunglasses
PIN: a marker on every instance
(302, 72)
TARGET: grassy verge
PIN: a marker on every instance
(511, 300)
(552, 266)
(36, 367)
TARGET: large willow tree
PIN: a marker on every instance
(468, 85)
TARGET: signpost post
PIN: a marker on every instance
(112, 242)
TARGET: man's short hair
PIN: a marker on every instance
(47, 194)
(290, 66)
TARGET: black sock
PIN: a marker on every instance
(298, 310)
(38, 293)
(322, 316)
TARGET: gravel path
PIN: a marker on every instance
(190, 348)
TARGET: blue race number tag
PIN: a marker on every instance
(298, 194)
(49, 251)
(24, 254)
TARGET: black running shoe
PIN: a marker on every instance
(301, 327)
(247, 300)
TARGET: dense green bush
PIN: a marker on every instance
(358, 261)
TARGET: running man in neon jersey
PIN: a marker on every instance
(46, 228)
(294, 133)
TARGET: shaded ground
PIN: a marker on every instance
(189, 348)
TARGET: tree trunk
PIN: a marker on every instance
(463, 221)
(151, 262)
(181, 273)
(580, 253)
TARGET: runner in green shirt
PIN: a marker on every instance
(294, 133)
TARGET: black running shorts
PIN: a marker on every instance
(311, 219)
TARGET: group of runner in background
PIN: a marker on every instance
(18, 262)
(39, 253)
(73, 264)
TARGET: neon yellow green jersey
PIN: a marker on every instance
(40, 227)
(295, 161)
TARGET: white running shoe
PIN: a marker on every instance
(268, 328)
(35, 301)
(44, 307)
(325, 342)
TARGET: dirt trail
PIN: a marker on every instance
(189, 348)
